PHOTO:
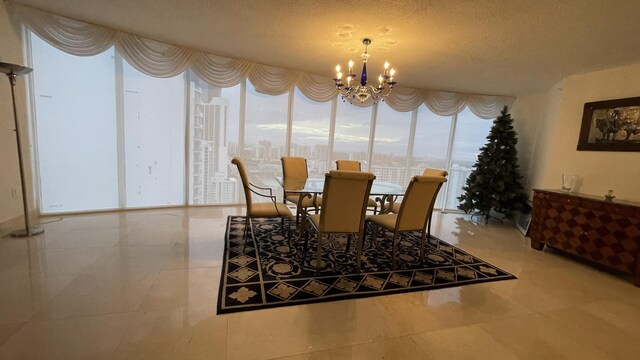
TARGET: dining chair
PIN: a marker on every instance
(271, 209)
(414, 213)
(354, 165)
(344, 205)
(351, 165)
(427, 172)
(293, 169)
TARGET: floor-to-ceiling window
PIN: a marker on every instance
(310, 133)
(75, 100)
(154, 126)
(109, 136)
(431, 145)
(213, 140)
(391, 141)
(470, 135)
(265, 136)
(351, 141)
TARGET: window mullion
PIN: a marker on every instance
(332, 131)
(188, 175)
(452, 133)
(32, 128)
(412, 138)
(120, 133)
(289, 123)
(241, 124)
(372, 135)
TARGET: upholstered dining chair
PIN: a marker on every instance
(271, 209)
(427, 172)
(294, 169)
(414, 213)
(344, 205)
(350, 165)
(354, 165)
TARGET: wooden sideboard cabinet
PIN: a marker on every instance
(605, 232)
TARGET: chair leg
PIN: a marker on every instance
(305, 235)
(395, 251)
(424, 237)
(319, 256)
(359, 245)
(375, 235)
(348, 242)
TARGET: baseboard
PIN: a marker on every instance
(16, 223)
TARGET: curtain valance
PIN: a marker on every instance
(159, 59)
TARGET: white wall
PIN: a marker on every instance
(550, 126)
(11, 51)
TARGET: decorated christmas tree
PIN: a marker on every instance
(494, 183)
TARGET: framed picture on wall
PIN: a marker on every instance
(612, 125)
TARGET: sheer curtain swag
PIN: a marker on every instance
(159, 59)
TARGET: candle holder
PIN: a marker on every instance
(568, 182)
(609, 196)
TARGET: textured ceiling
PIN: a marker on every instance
(476, 46)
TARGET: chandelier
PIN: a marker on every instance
(354, 91)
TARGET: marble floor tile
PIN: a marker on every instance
(179, 334)
(65, 261)
(8, 329)
(354, 322)
(274, 333)
(82, 238)
(22, 297)
(536, 336)
(466, 342)
(605, 335)
(131, 259)
(100, 293)
(174, 289)
(82, 338)
(402, 348)
(195, 254)
(622, 314)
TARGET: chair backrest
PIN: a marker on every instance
(245, 181)
(344, 201)
(417, 203)
(294, 167)
(294, 170)
(434, 172)
(350, 165)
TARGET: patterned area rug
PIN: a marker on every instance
(272, 273)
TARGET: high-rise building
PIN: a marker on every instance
(210, 169)
(457, 179)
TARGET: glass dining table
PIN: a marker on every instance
(385, 193)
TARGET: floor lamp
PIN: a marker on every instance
(12, 71)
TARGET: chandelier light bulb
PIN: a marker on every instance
(386, 65)
(350, 64)
(338, 68)
(392, 72)
(339, 75)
